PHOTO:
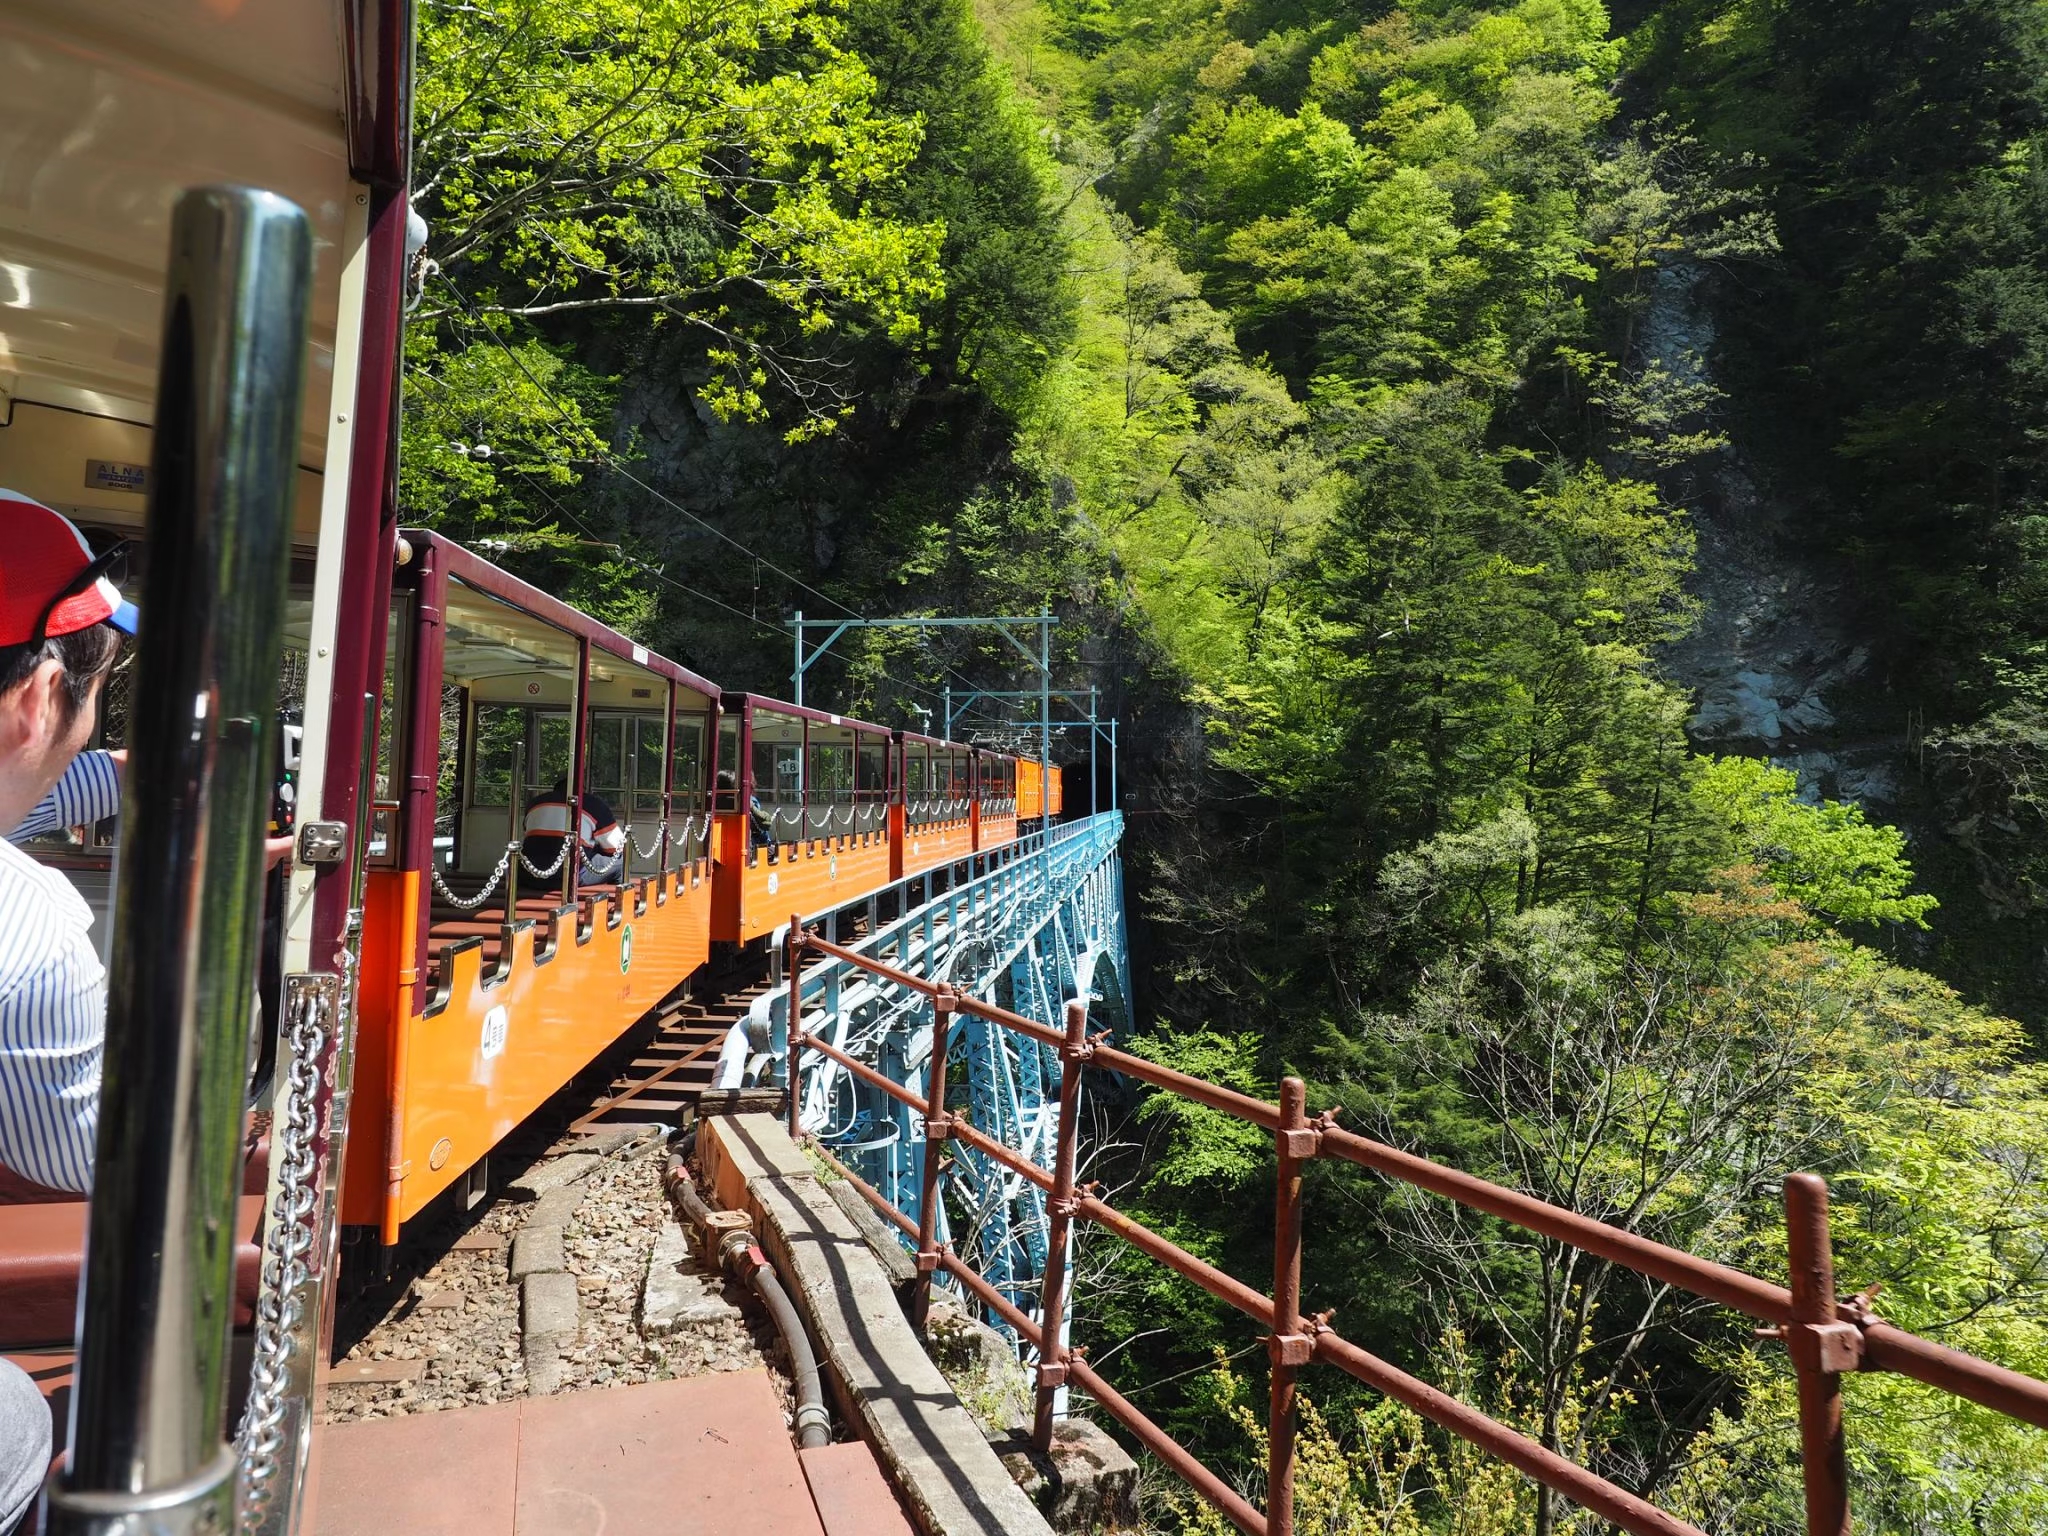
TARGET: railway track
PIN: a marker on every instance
(676, 1064)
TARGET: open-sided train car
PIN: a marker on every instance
(116, 109)
(804, 820)
(488, 980)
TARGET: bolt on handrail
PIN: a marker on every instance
(1824, 1335)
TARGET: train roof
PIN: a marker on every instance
(494, 581)
(738, 698)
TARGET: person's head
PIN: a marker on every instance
(61, 622)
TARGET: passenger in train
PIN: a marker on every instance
(61, 622)
(759, 827)
(601, 844)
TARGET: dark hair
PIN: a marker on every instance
(86, 655)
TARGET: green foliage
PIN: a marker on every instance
(710, 169)
(1826, 856)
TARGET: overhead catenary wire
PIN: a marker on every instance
(590, 537)
(611, 462)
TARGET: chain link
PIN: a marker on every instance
(552, 870)
(471, 903)
(287, 1243)
(660, 836)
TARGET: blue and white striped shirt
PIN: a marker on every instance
(53, 992)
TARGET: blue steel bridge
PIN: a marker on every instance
(1027, 927)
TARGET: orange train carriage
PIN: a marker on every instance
(487, 982)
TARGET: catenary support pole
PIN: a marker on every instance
(146, 1446)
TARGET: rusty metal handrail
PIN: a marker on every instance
(1824, 1335)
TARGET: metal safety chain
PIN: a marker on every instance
(660, 837)
(309, 1004)
(552, 870)
(471, 903)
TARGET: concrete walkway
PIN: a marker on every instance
(701, 1454)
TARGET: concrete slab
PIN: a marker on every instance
(381, 1372)
(1087, 1483)
(951, 1481)
(548, 1305)
(882, 1242)
(557, 1208)
(707, 1453)
(552, 1174)
(478, 1242)
(852, 1496)
(676, 1293)
(710, 1453)
(738, 1149)
(537, 1251)
(429, 1474)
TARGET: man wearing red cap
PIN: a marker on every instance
(61, 622)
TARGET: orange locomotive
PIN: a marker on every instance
(736, 811)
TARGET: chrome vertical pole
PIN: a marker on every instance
(157, 1300)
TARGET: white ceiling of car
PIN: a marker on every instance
(109, 109)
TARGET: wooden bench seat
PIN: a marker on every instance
(42, 1248)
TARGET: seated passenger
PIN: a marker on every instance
(601, 845)
(760, 827)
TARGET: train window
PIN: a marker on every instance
(518, 675)
(828, 784)
(384, 802)
(871, 774)
(778, 771)
(627, 757)
(687, 781)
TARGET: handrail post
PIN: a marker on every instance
(938, 1128)
(1822, 1347)
(795, 950)
(1288, 1347)
(1059, 1210)
(158, 1291)
(515, 827)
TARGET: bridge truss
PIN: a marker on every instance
(1025, 927)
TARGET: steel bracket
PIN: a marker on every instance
(1830, 1348)
(322, 842)
(1301, 1145)
(938, 1128)
(927, 1262)
(1290, 1348)
(1052, 1373)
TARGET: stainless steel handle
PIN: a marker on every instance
(147, 1449)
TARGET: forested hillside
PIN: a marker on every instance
(1329, 369)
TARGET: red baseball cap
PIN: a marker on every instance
(51, 583)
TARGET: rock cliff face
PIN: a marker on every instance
(1786, 662)
(1775, 662)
